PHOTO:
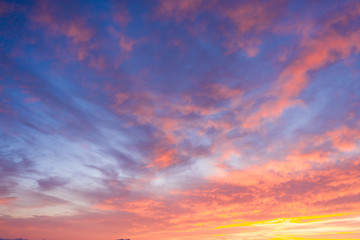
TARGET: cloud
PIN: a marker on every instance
(179, 10)
(179, 120)
(248, 20)
(47, 16)
(51, 183)
(327, 47)
(6, 8)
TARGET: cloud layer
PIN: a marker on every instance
(185, 119)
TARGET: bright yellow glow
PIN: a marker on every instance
(304, 219)
(303, 238)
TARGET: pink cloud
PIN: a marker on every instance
(179, 10)
(326, 48)
(250, 20)
(6, 200)
(6, 8)
(121, 14)
(126, 43)
(75, 28)
(99, 63)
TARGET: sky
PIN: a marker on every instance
(179, 120)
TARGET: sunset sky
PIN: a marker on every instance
(180, 119)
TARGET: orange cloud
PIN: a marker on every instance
(6, 200)
(344, 138)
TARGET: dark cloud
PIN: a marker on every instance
(51, 183)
